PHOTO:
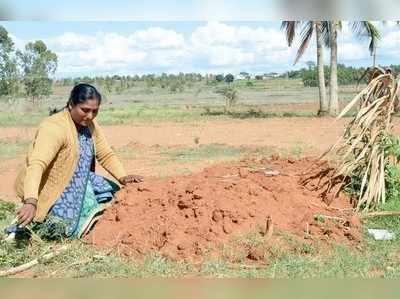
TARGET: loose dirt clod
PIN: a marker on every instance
(195, 215)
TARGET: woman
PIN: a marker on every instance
(58, 183)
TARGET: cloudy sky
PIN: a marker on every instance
(217, 46)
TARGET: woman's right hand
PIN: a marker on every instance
(26, 213)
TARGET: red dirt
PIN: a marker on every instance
(192, 216)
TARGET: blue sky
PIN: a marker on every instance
(143, 10)
(138, 47)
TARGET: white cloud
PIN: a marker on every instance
(71, 41)
(352, 51)
(213, 46)
(225, 45)
(157, 38)
(114, 52)
(391, 40)
(217, 33)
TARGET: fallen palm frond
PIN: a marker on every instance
(24, 267)
(361, 152)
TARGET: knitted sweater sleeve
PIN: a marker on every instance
(106, 156)
(47, 142)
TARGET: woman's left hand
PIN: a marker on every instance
(26, 214)
(132, 178)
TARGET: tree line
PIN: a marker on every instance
(346, 75)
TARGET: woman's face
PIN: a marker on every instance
(82, 114)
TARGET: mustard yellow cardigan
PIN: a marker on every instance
(52, 158)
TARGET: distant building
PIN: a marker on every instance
(270, 75)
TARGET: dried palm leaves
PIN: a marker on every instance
(360, 152)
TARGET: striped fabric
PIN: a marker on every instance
(86, 193)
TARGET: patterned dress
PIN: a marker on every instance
(86, 196)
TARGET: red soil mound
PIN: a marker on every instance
(185, 216)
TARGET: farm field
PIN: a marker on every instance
(182, 137)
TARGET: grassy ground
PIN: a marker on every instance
(371, 259)
(151, 114)
(196, 102)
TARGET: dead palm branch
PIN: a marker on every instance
(360, 151)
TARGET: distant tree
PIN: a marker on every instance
(8, 65)
(245, 75)
(176, 86)
(229, 78)
(37, 63)
(108, 84)
(230, 95)
(219, 78)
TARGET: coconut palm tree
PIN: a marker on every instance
(362, 29)
(333, 85)
(326, 34)
(307, 30)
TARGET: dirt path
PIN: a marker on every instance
(274, 131)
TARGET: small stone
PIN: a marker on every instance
(183, 205)
(196, 196)
(117, 217)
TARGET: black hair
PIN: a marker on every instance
(80, 94)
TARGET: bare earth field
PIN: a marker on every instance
(141, 146)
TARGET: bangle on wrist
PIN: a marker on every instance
(32, 201)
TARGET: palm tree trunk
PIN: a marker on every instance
(323, 103)
(333, 86)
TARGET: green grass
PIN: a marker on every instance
(139, 113)
(8, 119)
(296, 151)
(201, 152)
(216, 151)
(132, 114)
(144, 104)
(256, 112)
(12, 148)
